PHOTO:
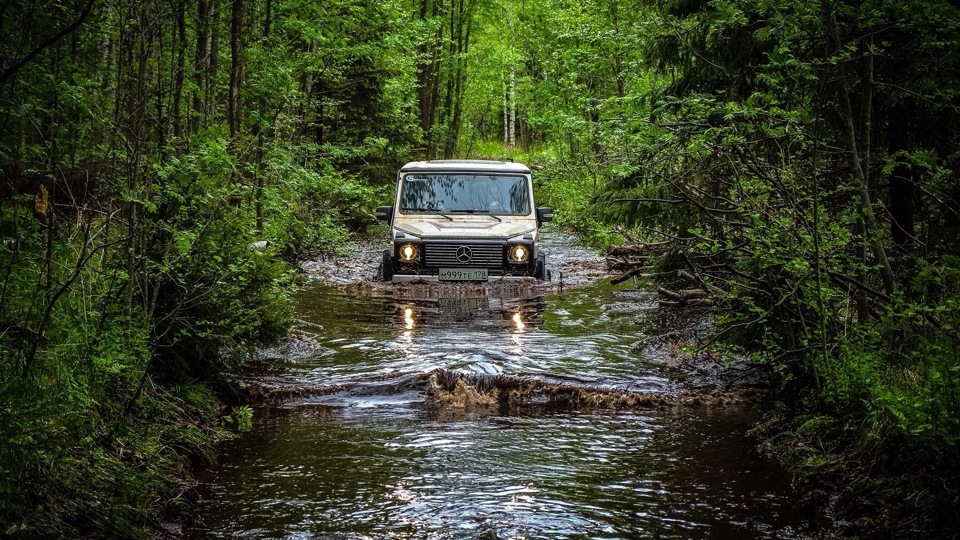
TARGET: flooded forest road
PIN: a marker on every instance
(474, 412)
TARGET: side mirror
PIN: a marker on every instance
(544, 215)
(384, 214)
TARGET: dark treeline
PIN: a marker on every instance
(160, 160)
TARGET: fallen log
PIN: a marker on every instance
(617, 263)
(684, 297)
(688, 276)
(693, 302)
(670, 294)
(713, 289)
(635, 271)
(683, 294)
(639, 249)
(690, 294)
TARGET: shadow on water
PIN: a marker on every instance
(489, 413)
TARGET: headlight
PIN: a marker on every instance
(518, 253)
(409, 252)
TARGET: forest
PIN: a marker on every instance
(798, 158)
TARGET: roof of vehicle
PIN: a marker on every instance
(466, 165)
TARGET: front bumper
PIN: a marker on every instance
(428, 278)
(490, 255)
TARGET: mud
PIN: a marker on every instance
(356, 269)
(502, 394)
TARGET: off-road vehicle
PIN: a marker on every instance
(464, 220)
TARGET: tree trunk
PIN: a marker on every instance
(180, 8)
(464, 15)
(307, 112)
(506, 115)
(428, 74)
(258, 187)
(446, 110)
(214, 59)
(512, 91)
(267, 19)
(512, 94)
(236, 68)
(858, 167)
(162, 116)
(200, 64)
(261, 174)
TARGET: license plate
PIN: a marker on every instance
(463, 274)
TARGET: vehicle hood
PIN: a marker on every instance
(482, 227)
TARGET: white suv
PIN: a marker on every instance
(464, 220)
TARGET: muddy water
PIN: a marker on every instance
(369, 451)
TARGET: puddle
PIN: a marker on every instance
(398, 412)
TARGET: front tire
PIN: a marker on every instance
(386, 266)
(540, 268)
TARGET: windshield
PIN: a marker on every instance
(469, 193)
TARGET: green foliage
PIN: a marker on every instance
(802, 155)
(241, 418)
(336, 82)
(571, 192)
(213, 289)
(313, 208)
(72, 459)
(160, 254)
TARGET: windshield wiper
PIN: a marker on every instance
(472, 211)
(430, 210)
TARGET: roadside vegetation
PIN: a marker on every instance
(798, 160)
(162, 164)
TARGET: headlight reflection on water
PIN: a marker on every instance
(516, 336)
(408, 315)
(518, 321)
(408, 320)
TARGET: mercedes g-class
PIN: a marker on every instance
(464, 220)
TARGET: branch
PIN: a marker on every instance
(77, 270)
(48, 42)
(861, 286)
(671, 201)
(627, 275)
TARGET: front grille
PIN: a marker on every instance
(445, 255)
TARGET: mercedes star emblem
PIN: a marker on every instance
(464, 254)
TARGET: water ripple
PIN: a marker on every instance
(368, 459)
